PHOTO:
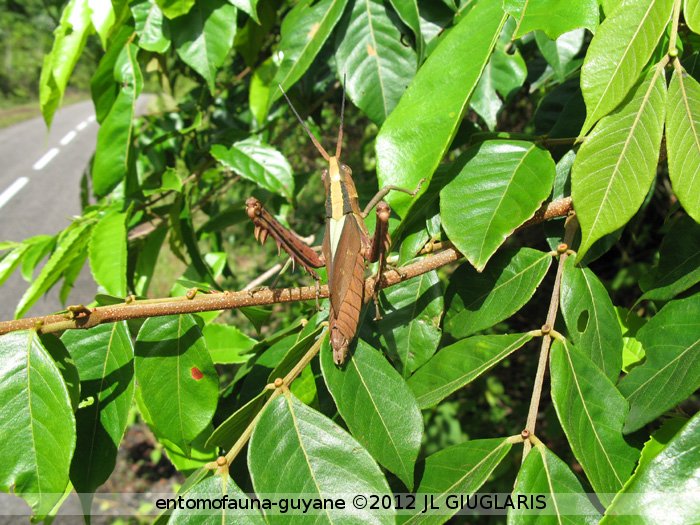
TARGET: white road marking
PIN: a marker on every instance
(48, 157)
(82, 125)
(91, 118)
(14, 188)
(68, 137)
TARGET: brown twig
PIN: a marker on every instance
(206, 302)
(570, 230)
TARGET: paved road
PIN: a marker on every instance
(40, 176)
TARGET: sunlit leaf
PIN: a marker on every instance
(378, 408)
(176, 377)
(148, 19)
(114, 153)
(70, 245)
(617, 54)
(38, 440)
(671, 371)
(459, 364)
(376, 65)
(204, 36)
(666, 488)
(304, 31)
(477, 301)
(683, 140)
(108, 253)
(296, 450)
(592, 412)
(415, 137)
(69, 40)
(543, 473)
(590, 318)
(507, 181)
(554, 17)
(459, 469)
(258, 162)
(615, 166)
(104, 356)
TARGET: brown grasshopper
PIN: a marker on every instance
(346, 243)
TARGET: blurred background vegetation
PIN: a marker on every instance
(26, 35)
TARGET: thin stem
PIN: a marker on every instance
(570, 230)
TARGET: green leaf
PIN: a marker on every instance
(460, 469)
(39, 247)
(409, 330)
(38, 439)
(204, 37)
(504, 74)
(176, 377)
(617, 163)
(409, 15)
(197, 455)
(175, 8)
(304, 31)
(261, 89)
(683, 140)
(258, 162)
(459, 364)
(590, 318)
(679, 262)
(150, 27)
(60, 355)
(480, 300)
(507, 181)
(378, 407)
(104, 356)
(560, 53)
(415, 137)
(249, 7)
(664, 489)
(70, 245)
(306, 339)
(227, 344)
(233, 427)
(103, 87)
(369, 52)
(296, 450)
(544, 473)
(617, 54)
(671, 371)
(215, 488)
(691, 14)
(592, 412)
(10, 261)
(69, 40)
(113, 156)
(102, 18)
(108, 253)
(553, 17)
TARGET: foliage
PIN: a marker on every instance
(499, 106)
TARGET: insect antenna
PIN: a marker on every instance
(339, 144)
(320, 149)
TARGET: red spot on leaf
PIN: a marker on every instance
(196, 373)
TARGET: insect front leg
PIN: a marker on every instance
(385, 191)
(266, 225)
(379, 248)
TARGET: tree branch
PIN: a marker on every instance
(83, 317)
(570, 230)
